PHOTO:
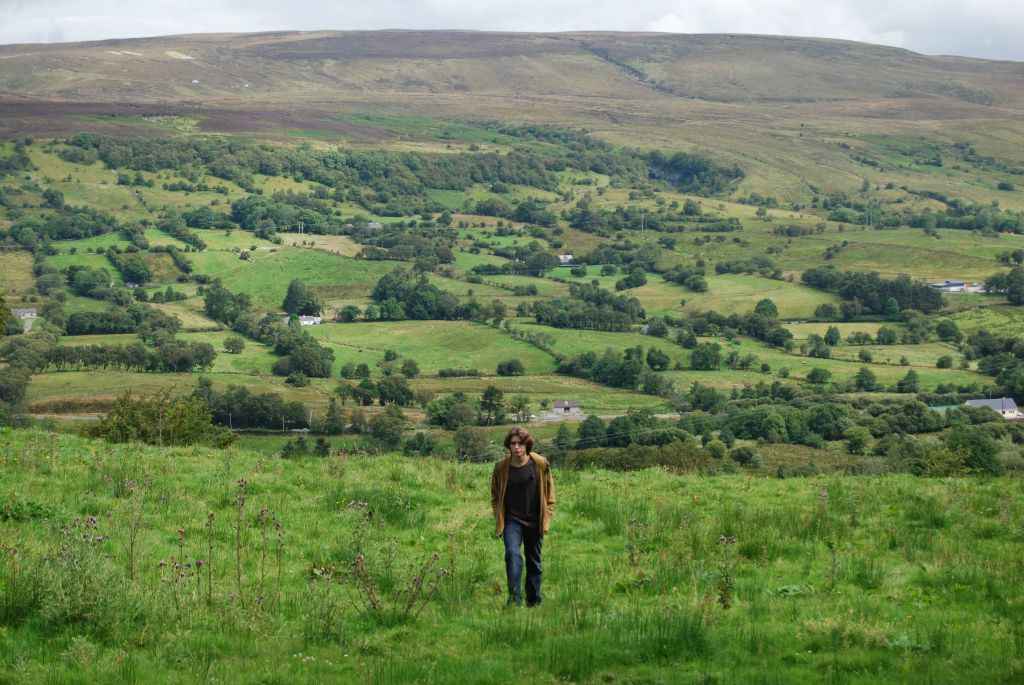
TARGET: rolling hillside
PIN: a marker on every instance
(783, 108)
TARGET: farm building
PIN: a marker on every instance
(564, 259)
(24, 313)
(949, 286)
(1006, 407)
(567, 407)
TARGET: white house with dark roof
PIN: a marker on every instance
(565, 260)
(1005, 406)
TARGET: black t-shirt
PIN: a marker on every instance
(522, 500)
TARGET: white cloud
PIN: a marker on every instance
(982, 28)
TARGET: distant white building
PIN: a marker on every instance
(1005, 406)
(24, 312)
(567, 407)
(949, 286)
(304, 320)
(564, 259)
(374, 224)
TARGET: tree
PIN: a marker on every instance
(832, 336)
(540, 262)
(706, 357)
(234, 345)
(1015, 286)
(334, 421)
(492, 404)
(909, 383)
(944, 362)
(386, 427)
(658, 360)
(948, 330)
(395, 389)
(979, 450)
(865, 356)
(858, 439)
(746, 455)
(563, 439)
(301, 301)
(865, 380)
(818, 375)
(13, 385)
(410, 369)
(520, 406)
(511, 367)
(420, 444)
(591, 433)
(472, 444)
(767, 309)
(886, 336)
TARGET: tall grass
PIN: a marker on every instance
(648, 577)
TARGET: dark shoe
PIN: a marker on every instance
(530, 605)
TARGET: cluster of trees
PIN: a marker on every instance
(491, 407)
(688, 277)
(629, 368)
(592, 308)
(237, 407)
(875, 294)
(166, 354)
(754, 265)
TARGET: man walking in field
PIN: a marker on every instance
(523, 500)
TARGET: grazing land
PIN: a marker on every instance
(136, 563)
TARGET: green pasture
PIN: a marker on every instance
(648, 576)
(103, 240)
(75, 303)
(163, 267)
(190, 313)
(738, 294)
(255, 359)
(594, 398)
(801, 331)
(335, 278)
(84, 385)
(88, 259)
(885, 364)
(1002, 319)
(572, 342)
(467, 260)
(104, 339)
(217, 239)
(16, 272)
(545, 286)
(156, 237)
(433, 345)
(340, 244)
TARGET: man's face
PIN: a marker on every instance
(516, 447)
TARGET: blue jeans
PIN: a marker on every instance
(518, 536)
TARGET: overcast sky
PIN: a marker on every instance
(974, 28)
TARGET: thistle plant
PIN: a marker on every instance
(725, 585)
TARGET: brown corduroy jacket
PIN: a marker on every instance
(499, 483)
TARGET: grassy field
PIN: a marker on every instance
(648, 577)
(16, 273)
(738, 294)
(433, 345)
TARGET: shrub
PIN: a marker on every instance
(745, 455)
